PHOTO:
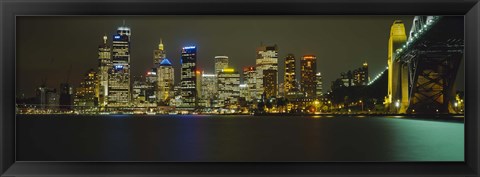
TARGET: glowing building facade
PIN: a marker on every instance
(221, 62)
(250, 80)
(319, 86)
(165, 83)
(308, 80)
(104, 65)
(228, 88)
(267, 59)
(119, 94)
(289, 78)
(188, 83)
(270, 83)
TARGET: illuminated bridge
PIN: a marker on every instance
(422, 68)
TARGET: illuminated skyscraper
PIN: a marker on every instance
(267, 59)
(228, 88)
(209, 89)
(188, 81)
(289, 79)
(270, 83)
(165, 83)
(308, 80)
(159, 54)
(119, 94)
(104, 65)
(250, 80)
(151, 80)
(221, 62)
(319, 87)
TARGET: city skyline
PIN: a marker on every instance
(142, 61)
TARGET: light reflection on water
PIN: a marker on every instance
(237, 138)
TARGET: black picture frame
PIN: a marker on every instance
(10, 9)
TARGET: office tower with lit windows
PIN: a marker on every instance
(360, 75)
(188, 81)
(270, 83)
(165, 83)
(308, 70)
(104, 65)
(209, 89)
(267, 59)
(119, 94)
(250, 80)
(151, 80)
(289, 78)
(228, 88)
(221, 62)
(159, 54)
(319, 86)
(85, 96)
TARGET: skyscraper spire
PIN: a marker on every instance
(160, 46)
(104, 39)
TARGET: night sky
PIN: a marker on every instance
(48, 46)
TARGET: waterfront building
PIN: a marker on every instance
(188, 78)
(85, 95)
(319, 86)
(270, 83)
(151, 80)
(228, 88)
(166, 78)
(209, 89)
(267, 59)
(119, 94)
(250, 79)
(289, 84)
(308, 70)
(221, 62)
(47, 98)
(360, 75)
(104, 65)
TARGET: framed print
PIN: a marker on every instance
(252, 88)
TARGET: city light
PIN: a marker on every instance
(189, 47)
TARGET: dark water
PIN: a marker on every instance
(236, 138)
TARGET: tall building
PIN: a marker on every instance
(270, 83)
(209, 89)
(165, 83)
(159, 54)
(221, 62)
(360, 75)
(85, 96)
(267, 59)
(188, 78)
(228, 88)
(119, 94)
(308, 70)
(47, 98)
(104, 65)
(289, 78)
(319, 87)
(250, 80)
(151, 80)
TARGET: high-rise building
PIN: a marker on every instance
(228, 88)
(209, 89)
(308, 70)
(151, 80)
(267, 59)
(270, 83)
(221, 62)
(319, 88)
(104, 65)
(165, 83)
(250, 80)
(85, 96)
(159, 54)
(119, 94)
(188, 78)
(47, 98)
(289, 78)
(360, 75)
